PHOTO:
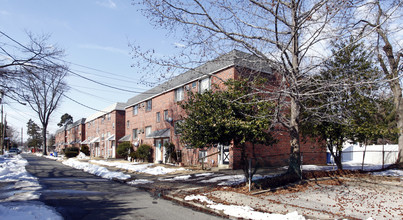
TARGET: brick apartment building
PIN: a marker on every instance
(103, 128)
(70, 135)
(151, 117)
(60, 139)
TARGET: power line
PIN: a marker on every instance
(83, 104)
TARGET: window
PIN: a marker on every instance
(179, 94)
(135, 109)
(158, 117)
(148, 131)
(113, 125)
(109, 116)
(135, 133)
(149, 105)
(166, 114)
(202, 153)
(204, 85)
(194, 84)
(128, 124)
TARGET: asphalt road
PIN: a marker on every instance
(79, 195)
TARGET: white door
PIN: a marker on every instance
(113, 149)
(157, 151)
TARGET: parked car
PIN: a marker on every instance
(13, 151)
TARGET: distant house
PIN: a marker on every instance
(152, 117)
(70, 135)
(60, 139)
(103, 128)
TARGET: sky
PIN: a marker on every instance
(95, 35)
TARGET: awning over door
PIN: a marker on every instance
(125, 138)
(163, 133)
(94, 140)
(111, 138)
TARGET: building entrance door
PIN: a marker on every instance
(158, 156)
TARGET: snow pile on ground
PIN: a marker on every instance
(176, 178)
(28, 210)
(396, 173)
(346, 166)
(17, 188)
(82, 156)
(243, 211)
(139, 181)
(140, 168)
(95, 169)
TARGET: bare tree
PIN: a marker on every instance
(42, 89)
(287, 35)
(380, 22)
(14, 57)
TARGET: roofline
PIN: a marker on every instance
(173, 88)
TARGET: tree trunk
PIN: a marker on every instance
(295, 155)
(44, 140)
(393, 75)
(294, 166)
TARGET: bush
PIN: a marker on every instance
(71, 152)
(133, 155)
(123, 149)
(144, 152)
(85, 149)
(170, 153)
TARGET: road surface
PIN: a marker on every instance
(76, 194)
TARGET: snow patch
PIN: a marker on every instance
(28, 210)
(95, 169)
(245, 212)
(139, 181)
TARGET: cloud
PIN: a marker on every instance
(107, 4)
(104, 48)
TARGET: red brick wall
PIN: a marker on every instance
(103, 127)
(278, 154)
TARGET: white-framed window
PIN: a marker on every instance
(128, 124)
(158, 117)
(149, 105)
(135, 109)
(204, 85)
(194, 84)
(148, 131)
(135, 134)
(109, 116)
(166, 116)
(113, 125)
(202, 153)
(179, 94)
